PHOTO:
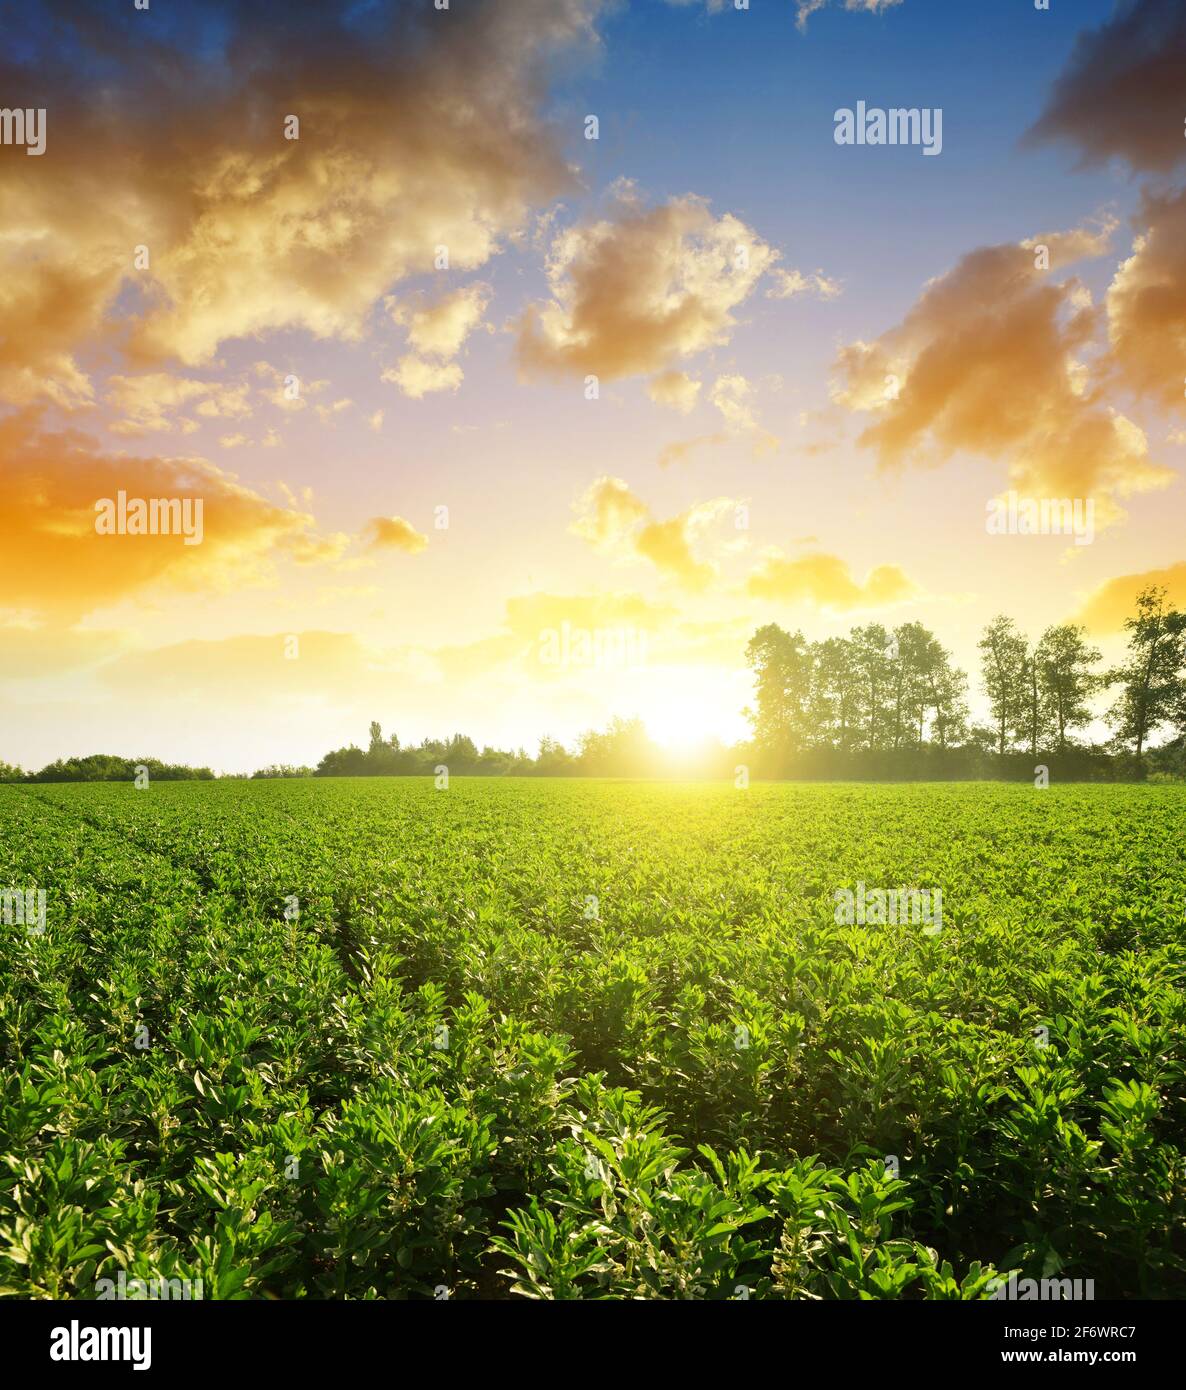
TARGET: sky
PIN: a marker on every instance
(502, 429)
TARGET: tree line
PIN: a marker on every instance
(879, 703)
(624, 749)
(891, 702)
(106, 767)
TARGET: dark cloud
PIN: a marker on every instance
(1122, 92)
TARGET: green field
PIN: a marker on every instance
(572, 1039)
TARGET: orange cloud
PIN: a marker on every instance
(677, 390)
(417, 377)
(1147, 304)
(680, 449)
(733, 395)
(642, 289)
(827, 581)
(416, 139)
(789, 284)
(54, 561)
(1107, 608)
(151, 402)
(615, 520)
(440, 328)
(394, 533)
(987, 362)
(609, 511)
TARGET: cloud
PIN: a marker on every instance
(394, 533)
(151, 401)
(733, 395)
(827, 581)
(616, 521)
(641, 289)
(788, 284)
(988, 362)
(1106, 609)
(667, 544)
(806, 8)
(415, 133)
(437, 333)
(680, 449)
(1121, 93)
(417, 377)
(54, 563)
(440, 329)
(676, 390)
(609, 511)
(1146, 304)
(325, 413)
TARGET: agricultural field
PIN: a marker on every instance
(369, 1039)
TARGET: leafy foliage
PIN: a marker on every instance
(368, 1039)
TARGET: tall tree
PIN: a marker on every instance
(911, 653)
(1003, 650)
(1064, 663)
(1153, 685)
(874, 651)
(947, 697)
(835, 692)
(1033, 720)
(783, 668)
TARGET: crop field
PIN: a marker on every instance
(560, 1039)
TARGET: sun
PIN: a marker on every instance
(683, 721)
(681, 729)
(684, 708)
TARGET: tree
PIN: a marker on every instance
(1003, 649)
(873, 650)
(343, 762)
(623, 750)
(783, 667)
(947, 694)
(835, 692)
(554, 759)
(912, 652)
(1153, 687)
(1066, 680)
(1033, 721)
